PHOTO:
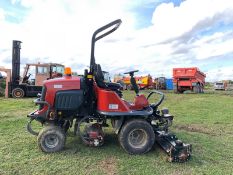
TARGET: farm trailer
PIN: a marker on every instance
(188, 79)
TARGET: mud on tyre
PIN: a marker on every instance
(51, 139)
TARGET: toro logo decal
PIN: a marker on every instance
(57, 86)
(113, 106)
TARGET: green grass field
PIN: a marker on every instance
(204, 120)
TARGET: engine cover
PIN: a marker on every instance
(62, 89)
(69, 99)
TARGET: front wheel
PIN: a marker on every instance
(51, 139)
(136, 136)
(18, 93)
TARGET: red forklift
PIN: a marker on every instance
(88, 102)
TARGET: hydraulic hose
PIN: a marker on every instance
(30, 130)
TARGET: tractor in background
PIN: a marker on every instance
(160, 83)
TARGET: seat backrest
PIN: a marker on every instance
(99, 77)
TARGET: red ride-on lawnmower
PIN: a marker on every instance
(88, 103)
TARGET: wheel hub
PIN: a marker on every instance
(51, 141)
(137, 138)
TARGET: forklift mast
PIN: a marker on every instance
(16, 61)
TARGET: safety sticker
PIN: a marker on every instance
(113, 106)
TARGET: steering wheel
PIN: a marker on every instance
(131, 72)
(26, 78)
(155, 105)
(29, 75)
(133, 81)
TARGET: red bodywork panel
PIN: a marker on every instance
(185, 77)
(140, 102)
(59, 84)
(109, 101)
(55, 85)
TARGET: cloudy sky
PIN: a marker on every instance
(155, 35)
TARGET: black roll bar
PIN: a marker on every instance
(95, 38)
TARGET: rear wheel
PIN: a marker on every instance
(201, 89)
(196, 89)
(18, 93)
(51, 139)
(181, 91)
(136, 137)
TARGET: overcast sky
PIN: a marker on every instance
(155, 35)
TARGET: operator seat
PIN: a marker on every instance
(99, 78)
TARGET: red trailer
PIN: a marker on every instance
(188, 79)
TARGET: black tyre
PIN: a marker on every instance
(51, 139)
(196, 89)
(181, 91)
(199, 89)
(202, 89)
(136, 136)
(18, 93)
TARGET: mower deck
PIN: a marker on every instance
(175, 148)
